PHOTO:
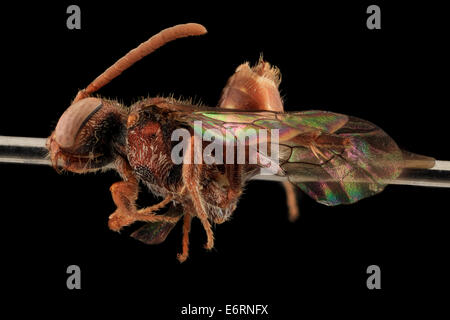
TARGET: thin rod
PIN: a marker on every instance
(25, 150)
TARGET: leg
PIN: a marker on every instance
(186, 229)
(317, 153)
(124, 194)
(291, 200)
(155, 207)
(326, 141)
(191, 177)
(157, 232)
(122, 218)
(147, 216)
(234, 176)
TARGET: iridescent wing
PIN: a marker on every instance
(348, 172)
(334, 158)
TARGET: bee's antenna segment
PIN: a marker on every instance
(144, 49)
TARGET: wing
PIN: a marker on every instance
(237, 123)
(346, 172)
(334, 158)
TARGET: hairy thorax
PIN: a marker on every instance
(149, 147)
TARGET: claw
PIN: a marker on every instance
(210, 244)
(182, 257)
(117, 221)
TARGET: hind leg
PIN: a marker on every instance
(291, 200)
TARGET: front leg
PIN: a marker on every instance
(125, 194)
(127, 214)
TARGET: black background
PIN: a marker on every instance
(396, 77)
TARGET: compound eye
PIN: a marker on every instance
(73, 120)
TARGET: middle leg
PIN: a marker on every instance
(191, 178)
(186, 229)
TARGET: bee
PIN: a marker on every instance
(334, 158)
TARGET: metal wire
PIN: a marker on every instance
(26, 150)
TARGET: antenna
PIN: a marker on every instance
(144, 49)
